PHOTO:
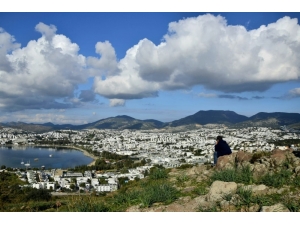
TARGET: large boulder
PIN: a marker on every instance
(226, 161)
(219, 188)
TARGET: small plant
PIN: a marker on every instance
(292, 204)
(243, 175)
(227, 197)
(182, 179)
(245, 196)
(201, 189)
(277, 179)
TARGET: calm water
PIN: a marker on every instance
(61, 158)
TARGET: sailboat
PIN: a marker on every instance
(22, 162)
(27, 164)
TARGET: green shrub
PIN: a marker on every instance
(243, 175)
(157, 173)
(277, 179)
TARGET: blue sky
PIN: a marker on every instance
(68, 67)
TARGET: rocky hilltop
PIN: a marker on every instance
(240, 182)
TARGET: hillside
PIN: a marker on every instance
(240, 182)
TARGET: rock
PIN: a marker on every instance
(242, 156)
(297, 170)
(219, 188)
(226, 161)
(254, 208)
(259, 170)
(257, 189)
(278, 157)
(275, 208)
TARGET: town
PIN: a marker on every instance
(154, 148)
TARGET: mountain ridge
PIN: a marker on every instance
(200, 118)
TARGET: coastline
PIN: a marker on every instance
(86, 153)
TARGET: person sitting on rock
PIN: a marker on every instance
(221, 148)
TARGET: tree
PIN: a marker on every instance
(82, 185)
(3, 167)
(72, 186)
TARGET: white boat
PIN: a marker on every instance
(50, 155)
(27, 164)
(22, 162)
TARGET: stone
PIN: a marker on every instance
(226, 161)
(275, 208)
(242, 156)
(219, 188)
(259, 170)
(257, 189)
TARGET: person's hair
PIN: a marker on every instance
(219, 138)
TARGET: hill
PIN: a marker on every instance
(210, 118)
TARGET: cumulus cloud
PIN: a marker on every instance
(34, 76)
(116, 102)
(107, 63)
(206, 51)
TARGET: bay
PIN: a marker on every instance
(37, 157)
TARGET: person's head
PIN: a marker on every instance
(219, 138)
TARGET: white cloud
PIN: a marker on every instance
(206, 51)
(116, 102)
(294, 93)
(41, 72)
(107, 63)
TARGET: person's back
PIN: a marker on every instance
(222, 148)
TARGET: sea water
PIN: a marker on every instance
(50, 158)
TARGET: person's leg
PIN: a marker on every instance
(215, 157)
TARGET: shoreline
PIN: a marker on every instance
(86, 153)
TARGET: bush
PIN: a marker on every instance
(157, 173)
(243, 175)
(277, 179)
(37, 195)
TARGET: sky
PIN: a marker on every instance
(80, 66)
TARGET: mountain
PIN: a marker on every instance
(275, 120)
(195, 121)
(123, 122)
(210, 116)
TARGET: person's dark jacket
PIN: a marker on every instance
(222, 148)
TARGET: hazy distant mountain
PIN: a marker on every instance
(201, 118)
(123, 122)
(210, 116)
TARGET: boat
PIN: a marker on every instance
(50, 155)
(27, 164)
(22, 162)
(36, 159)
